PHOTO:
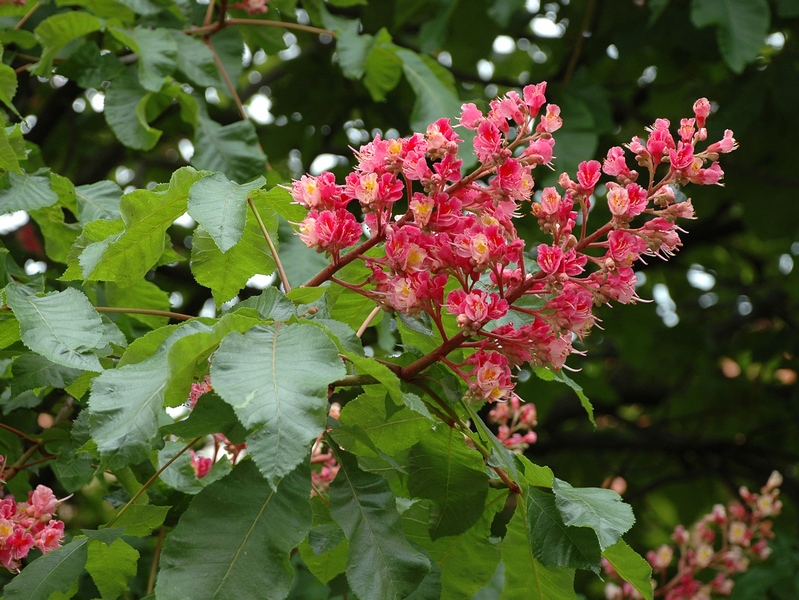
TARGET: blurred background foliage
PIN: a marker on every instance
(695, 389)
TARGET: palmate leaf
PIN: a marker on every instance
(382, 562)
(49, 574)
(61, 326)
(235, 538)
(525, 577)
(275, 378)
(220, 206)
(443, 469)
(146, 215)
(600, 509)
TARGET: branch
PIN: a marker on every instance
(144, 311)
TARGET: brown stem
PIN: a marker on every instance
(21, 434)
(285, 25)
(154, 564)
(368, 320)
(283, 277)
(228, 83)
(27, 15)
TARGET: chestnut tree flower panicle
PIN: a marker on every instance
(709, 554)
(27, 525)
(450, 246)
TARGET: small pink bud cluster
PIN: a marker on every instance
(323, 462)
(252, 6)
(515, 423)
(25, 525)
(725, 541)
(457, 237)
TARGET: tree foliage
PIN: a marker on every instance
(142, 152)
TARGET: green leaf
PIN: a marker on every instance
(147, 215)
(9, 160)
(227, 273)
(390, 427)
(98, 200)
(434, 98)
(213, 555)
(742, 27)
(280, 200)
(554, 543)
(383, 67)
(232, 149)
(467, 561)
(351, 47)
(105, 9)
(157, 50)
(600, 509)
(500, 455)
(560, 376)
(220, 206)
(111, 566)
(125, 99)
(443, 469)
(501, 11)
(8, 87)
(196, 60)
(61, 326)
(326, 549)
(275, 378)
(27, 192)
(525, 577)
(57, 31)
(88, 67)
(631, 567)
(382, 563)
(49, 574)
(59, 236)
(30, 371)
(211, 415)
(140, 519)
(270, 304)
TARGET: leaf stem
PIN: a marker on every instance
(285, 25)
(368, 320)
(283, 277)
(154, 565)
(27, 15)
(21, 434)
(231, 88)
(150, 481)
(144, 311)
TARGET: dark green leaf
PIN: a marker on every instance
(89, 67)
(232, 149)
(211, 415)
(8, 87)
(275, 378)
(143, 294)
(31, 371)
(382, 563)
(157, 50)
(434, 98)
(125, 111)
(554, 543)
(383, 67)
(196, 60)
(443, 469)
(600, 509)
(742, 27)
(270, 304)
(140, 519)
(98, 201)
(242, 557)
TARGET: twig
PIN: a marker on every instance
(21, 434)
(285, 25)
(150, 481)
(144, 311)
(368, 320)
(230, 86)
(27, 16)
(283, 277)
(156, 556)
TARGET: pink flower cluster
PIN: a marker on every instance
(25, 525)
(324, 465)
(723, 541)
(453, 246)
(515, 423)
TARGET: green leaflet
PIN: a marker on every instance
(382, 563)
(434, 98)
(443, 469)
(126, 98)
(157, 50)
(232, 149)
(275, 378)
(554, 543)
(54, 572)
(196, 60)
(601, 510)
(111, 566)
(57, 31)
(631, 567)
(98, 200)
(220, 206)
(146, 215)
(241, 530)
(525, 577)
(742, 27)
(27, 192)
(31, 371)
(61, 326)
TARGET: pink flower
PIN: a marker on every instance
(487, 142)
(471, 116)
(551, 121)
(41, 503)
(701, 110)
(201, 464)
(49, 538)
(534, 97)
(588, 173)
(549, 258)
(725, 145)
